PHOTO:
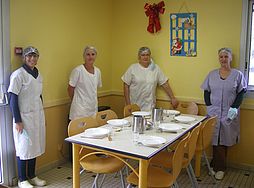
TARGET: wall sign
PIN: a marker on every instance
(183, 34)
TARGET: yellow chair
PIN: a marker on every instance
(159, 159)
(128, 109)
(103, 116)
(159, 177)
(89, 160)
(204, 141)
(188, 108)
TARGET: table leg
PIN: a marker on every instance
(198, 155)
(76, 166)
(143, 167)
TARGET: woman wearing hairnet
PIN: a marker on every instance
(223, 94)
(83, 84)
(141, 79)
(28, 118)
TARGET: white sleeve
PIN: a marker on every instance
(161, 77)
(127, 77)
(15, 83)
(74, 77)
(99, 79)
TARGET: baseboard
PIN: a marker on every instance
(50, 166)
(241, 166)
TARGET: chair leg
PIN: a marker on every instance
(194, 180)
(175, 184)
(198, 155)
(102, 181)
(95, 182)
(190, 177)
(122, 179)
(209, 167)
(81, 171)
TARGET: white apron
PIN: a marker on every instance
(31, 143)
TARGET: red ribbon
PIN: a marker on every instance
(153, 11)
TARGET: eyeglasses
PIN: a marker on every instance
(32, 55)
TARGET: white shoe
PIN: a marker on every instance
(212, 172)
(38, 182)
(24, 184)
(219, 175)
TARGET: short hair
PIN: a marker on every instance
(143, 49)
(89, 48)
(227, 50)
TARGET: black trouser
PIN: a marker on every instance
(26, 168)
(219, 158)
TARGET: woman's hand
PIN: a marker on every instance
(19, 127)
(174, 102)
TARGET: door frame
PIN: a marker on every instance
(7, 151)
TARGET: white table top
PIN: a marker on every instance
(122, 142)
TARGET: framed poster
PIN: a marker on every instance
(183, 34)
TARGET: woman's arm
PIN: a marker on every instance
(207, 98)
(14, 107)
(169, 92)
(71, 91)
(126, 89)
(238, 99)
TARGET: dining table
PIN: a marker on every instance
(121, 143)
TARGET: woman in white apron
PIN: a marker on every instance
(141, 80)
(28, 118)
(83, 84)
(223, 93)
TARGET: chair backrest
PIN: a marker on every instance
(206, 133)
(103, 116)
(128, 109)
(192, 142)
(80, 125)
(188, 108)
(178, 157)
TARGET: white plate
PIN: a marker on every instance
(96, 133)
(170, 127)
(171, 112)
(141, 113)
(118, 122)
(152, 141)
(185, 119)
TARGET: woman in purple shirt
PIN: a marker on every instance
(223, 93)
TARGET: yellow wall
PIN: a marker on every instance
(218, 25)
(61, 28)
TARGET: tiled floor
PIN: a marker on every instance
(62, 177)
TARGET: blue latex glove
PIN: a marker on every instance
(232, 113)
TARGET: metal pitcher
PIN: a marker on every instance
(139, 124)
(157, 115)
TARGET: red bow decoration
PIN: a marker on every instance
(153, 11)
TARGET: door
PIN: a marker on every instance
(7, 152)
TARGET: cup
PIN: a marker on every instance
(139, 124)
(157, 117)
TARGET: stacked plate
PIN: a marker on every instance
(95, 133)
(152, 141)
(170, 127)
(171, 112)
(118, 122)
(184, 119)
(141, 113)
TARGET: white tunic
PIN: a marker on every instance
(84, 102)
(28, 90)
(143, 82)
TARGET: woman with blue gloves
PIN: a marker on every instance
(223, 94)
(25, 92)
